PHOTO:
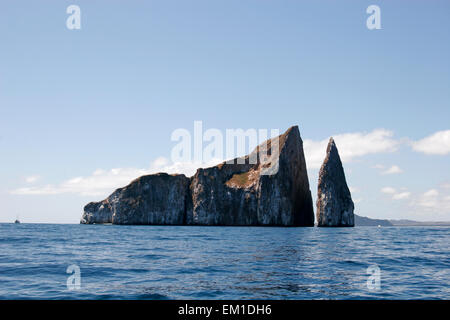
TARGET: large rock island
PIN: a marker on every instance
(269, 190)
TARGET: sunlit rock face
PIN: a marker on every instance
(269, 187)
(334, 201)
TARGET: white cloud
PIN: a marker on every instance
(401, 195)
(431, 193)
(429, 199)
(396, 194)
(350, 146)
(32, 179)
(436, 201)
(388, 190)
(437, 143)
(103, 182)
(393, 170)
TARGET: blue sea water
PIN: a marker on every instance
(175, 262)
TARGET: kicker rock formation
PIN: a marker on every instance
(269, 187)
(334, 201)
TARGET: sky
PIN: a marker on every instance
(85, 111)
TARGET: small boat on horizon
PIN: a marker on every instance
(17, 221)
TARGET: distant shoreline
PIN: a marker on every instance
(369, 222)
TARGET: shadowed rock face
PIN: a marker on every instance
(154, 199)
(270, 190)
(334, 202)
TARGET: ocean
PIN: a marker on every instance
(51, 261)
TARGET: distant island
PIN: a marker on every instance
(368, 222)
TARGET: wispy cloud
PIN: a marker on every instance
(396, 194)
(358, 144)
(388, 190)
(351, 146)
(102, 182)
(32, 179)
(434, 200)
(392, 170)
(437, 143)
(401, 195)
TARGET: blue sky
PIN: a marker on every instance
(108, 96)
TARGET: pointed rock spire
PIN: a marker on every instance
(334, 201)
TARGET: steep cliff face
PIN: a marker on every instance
(273, 190)
(153, 199)
(334, 202)
(268, 187)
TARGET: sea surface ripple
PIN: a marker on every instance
(187, 262)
